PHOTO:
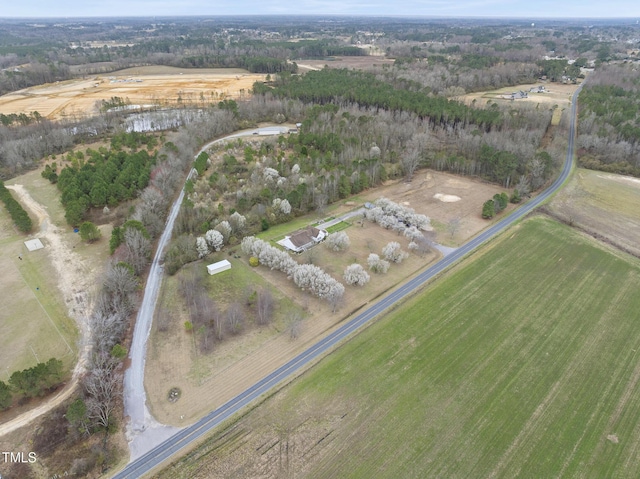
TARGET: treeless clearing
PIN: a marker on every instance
(557, 94)
(207, 381)
(604, 204)
(355, 63)
(145, 86)
(421, 195)
(467, 379)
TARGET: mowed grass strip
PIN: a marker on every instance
(524, 362)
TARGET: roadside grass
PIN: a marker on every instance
(522, 362)
(35, 326)
(343, 225)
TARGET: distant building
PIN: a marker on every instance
(537, 89)
(304, 239)
(218, 267)
(518, 95)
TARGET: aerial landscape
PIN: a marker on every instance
(319, 240)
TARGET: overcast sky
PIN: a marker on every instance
(451, 8)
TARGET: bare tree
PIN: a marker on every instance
(235, 318)
(294, 324)
(453, 226)
(264, 307)
(137, 249)
(410, 161)
(101, 387)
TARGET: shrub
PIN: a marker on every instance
(89, 232)
(253, 261)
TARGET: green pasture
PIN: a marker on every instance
(34, 326)
(522, 362)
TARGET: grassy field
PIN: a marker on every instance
(521, 363)
(34, 325)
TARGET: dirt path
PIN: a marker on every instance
(74, 281)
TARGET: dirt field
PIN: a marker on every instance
(556, 94)
(604, 204)
(153, 85)
(442, 197)
(208, 381)
(356, 63)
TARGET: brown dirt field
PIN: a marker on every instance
(557, 94)
(356, 63)
(209, 381)
(154, 85)
(602, 204)
(419, 195)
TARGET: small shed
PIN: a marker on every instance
(34, 244)
(216, 268)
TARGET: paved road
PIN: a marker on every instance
(184, 437)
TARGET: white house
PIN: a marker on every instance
(303, 239)
(216, 268)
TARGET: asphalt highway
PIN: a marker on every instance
(184, 437)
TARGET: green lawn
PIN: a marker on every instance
(523, 362)
(34, 325)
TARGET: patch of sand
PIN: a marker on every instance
(629, 179)
(446, 198)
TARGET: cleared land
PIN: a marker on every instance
(557, 95)
(522, 363)
(604, 204)
(34, 326)
(207, 381)
(356, 63)
(145, 86)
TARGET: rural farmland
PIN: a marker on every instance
(472, 378)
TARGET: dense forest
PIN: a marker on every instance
(609, 130)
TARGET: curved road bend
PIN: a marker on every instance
(184, 437)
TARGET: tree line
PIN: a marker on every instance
(18, 214)
(341, 85)
(31, 382)
(609, 131)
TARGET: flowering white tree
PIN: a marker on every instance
(295, 169)
(281, 207)
(225, 229)
(214, 239)
(268, 255)
(356, 275)
(202, 247)
(393, 252)
(270, 175)
(237, 222)
(306, 276)
(391, 215)
(313, 279)
(376, 264)
(413, 233)
(338, 241)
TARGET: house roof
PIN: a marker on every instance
(304, 237)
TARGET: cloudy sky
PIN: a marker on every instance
(451, 8)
